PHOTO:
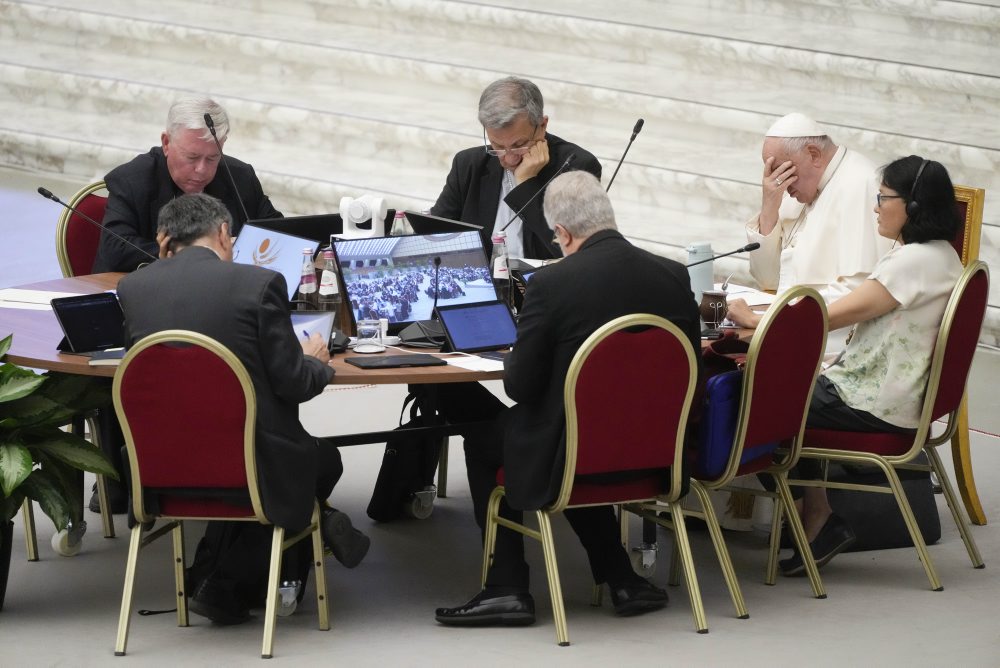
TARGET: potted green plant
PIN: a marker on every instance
(38, 460)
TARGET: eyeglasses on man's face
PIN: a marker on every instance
(516, 151)
(879, 197)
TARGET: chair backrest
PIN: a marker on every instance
(76, 239)
(627, 396)
(784, 358)
(187, 409)
(969, 202)
(956, 343)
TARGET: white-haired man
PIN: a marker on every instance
(186, 161)
(602, 277)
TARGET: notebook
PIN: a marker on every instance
(395, 361)
(273, 250)
(307, 323)
(90, 322)
(393, 277)
(475, 328)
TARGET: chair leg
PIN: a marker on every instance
(674, 576)
(552, 571)
(177, 536)
(490, 540)
(911, 523)
(125, 615)
(683, 549)
(30, 537)
(721, 551)
(442, 482)
(956, 512)
(322, 599)
(271, 613)
(799, 534)
(107, 520)
(771, 576)
(962, 459)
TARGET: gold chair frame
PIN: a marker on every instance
(544, 532)
(175, 525)
(923, 441)
(782, 497)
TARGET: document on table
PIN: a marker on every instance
(475, 363)
(36, 300)
(751, 296)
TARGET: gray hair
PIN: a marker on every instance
(506, 99)
(576, 201)
(793, 145)
(188, 218)
(189, 114)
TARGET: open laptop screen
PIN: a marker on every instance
(273, 250)
(472, 328)
(393, 277)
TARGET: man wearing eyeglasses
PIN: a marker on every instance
(488, 186)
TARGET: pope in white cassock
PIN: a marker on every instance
(816, 225)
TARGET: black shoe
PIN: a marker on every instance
(117, 499)
(636, 597)
(218, 603)
(348, 545)
(835, 536)
(487, 610)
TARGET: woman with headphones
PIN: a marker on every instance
(878, 383)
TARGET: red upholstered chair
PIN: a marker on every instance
(188, 410)
(621, 415)
(76, 239)
(778, 377)
(969, 202)
(952, 358)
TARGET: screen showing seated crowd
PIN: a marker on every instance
(393, 277)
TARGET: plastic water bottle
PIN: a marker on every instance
(306, 296)
(499, 266)
(701, 275)
(329, 286)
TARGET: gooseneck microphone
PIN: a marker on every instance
(635, 133)
(222, 158)
(531, 199)
(47, 194)
(745, 249)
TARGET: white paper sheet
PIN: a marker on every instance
(475, 363)
(22, 296)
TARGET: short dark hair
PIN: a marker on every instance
(188, 218)
(936, 216)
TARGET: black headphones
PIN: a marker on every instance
(913, 206)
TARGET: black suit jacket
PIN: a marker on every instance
(564, 304)
(472, 193)
(138, 190)
(246, 309)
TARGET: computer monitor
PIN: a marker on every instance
(393, 277)
(319, 227)
(273, 250)
(425, 223)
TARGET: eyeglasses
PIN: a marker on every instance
(879, 197)
(519, 151)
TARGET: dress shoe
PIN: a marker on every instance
(117, 499)
(348, 545)
(487, 610)
(835, 536)
(636, 597)
(218, 603)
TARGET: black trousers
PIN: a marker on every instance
(596, 527)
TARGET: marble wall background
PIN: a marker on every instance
(340, 97)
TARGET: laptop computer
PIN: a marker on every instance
(393, 277)
(90, 323)
(478, 328)
(273, 250)
(395, 361)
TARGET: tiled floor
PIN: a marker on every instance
(880, 611)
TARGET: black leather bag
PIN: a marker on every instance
(408, 465)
